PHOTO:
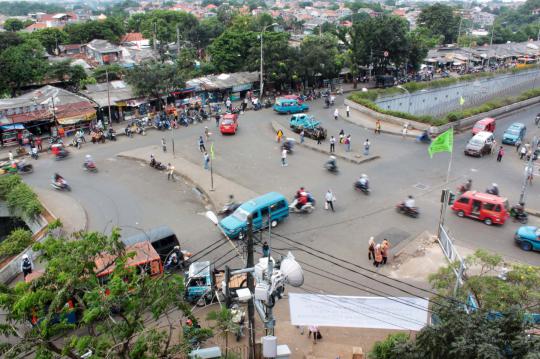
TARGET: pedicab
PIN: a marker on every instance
(312, 128)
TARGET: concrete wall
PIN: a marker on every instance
(440, 101)
(13, 268)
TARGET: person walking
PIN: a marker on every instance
(518, 144)
(163, 144)
(522, 152)
(329, 200)
(500, 154)
(284, 158)
(318, 135)
(385, 247)
(265, 249)
(201, 144)
(348, 111)
(348, 143)
(207, 133)
(336, 114)
(529, 174)
(341, 136)
(367, 145)
(405, 130)
(218, 117)
(332, 144)
(26, 265)
(170, 172)
(279, 134)
(302, 134)
(493, 146)
(10, 156)
(38, 143)
(206, 160)
(371, 248)
(378, 127)
(378, 256)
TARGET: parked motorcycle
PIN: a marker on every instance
(409, 211)
(519, 215)
(157, 165)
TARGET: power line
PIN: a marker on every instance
(366, 269)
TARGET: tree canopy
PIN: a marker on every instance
(13, 25)
(110, 29)
(114, 319)
(439, 19)
(22, 8)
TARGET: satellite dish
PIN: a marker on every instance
(211, 216)
(292, 271)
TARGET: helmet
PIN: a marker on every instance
(177, 247)
(25, 256)
(363, 175)
(332, 157)
(410, 196)
(494, 185)
(87, 157)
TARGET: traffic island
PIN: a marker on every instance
(216, 193)
(353, 157)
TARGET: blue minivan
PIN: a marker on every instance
(513, 133)
(287, 105)
(273, 203)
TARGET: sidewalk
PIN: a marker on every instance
(66, 208)
(354, 157)
(360, 119)
(195, 174)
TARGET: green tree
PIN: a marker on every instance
(419, 46)
(520, 289)
(9, 39)
(115, 71)
(153, 79)
(227, 52)
(224, 324)
(439, 19)
(66, 72)
(137, 300)
(13, 25)
(80, 33)
(23, 8)
(478, 334)
(22, 64)
(207, 30)
(319, 55)
(51, 38)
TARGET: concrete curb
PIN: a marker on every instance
(532, 212)
(288, 133)
(409, 135)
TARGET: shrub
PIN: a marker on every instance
(7, 183)
(17, 241)
(384, 349)
(23, 202)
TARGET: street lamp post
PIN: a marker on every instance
(408, 98)
(261, 84)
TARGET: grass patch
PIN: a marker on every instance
(17, 241)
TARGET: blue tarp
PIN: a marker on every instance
(16, 126)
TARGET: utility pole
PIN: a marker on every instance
(251, 286)
(529, 169)
(108, 96)
(154, 36)
(270, 269)
(178, 40)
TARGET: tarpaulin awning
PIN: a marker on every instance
(16, 126)
(88, 116)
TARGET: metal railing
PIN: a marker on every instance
(447, 245)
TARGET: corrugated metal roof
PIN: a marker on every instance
(223, 81)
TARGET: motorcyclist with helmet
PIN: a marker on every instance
(331, 164)
(494, 189)
(467, 186)
(410, 203)
(363, 182)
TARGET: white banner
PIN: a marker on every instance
(401, 313)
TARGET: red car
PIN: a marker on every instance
(229, 124)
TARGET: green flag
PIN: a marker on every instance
(212, 150)
(461, 100)
(443, 143)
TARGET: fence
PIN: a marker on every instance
(440, 101)
(447, 245)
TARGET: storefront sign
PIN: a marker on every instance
(243, 87)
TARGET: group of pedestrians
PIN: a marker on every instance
(378, 252)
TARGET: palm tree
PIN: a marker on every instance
(223, 324)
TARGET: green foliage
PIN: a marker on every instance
(312, 63)
(50, 38)
(7, 184)
(23, 8)
(13, 25)
(9, 39)
(137, 300)
(115, 71)
(165, 23)
(439, 19)
(478, 334)
(22, 64)
(521, 288)
(17, 241)
(23, 202)
(66, 72)
(153, 79)
(384, 349)
(90, 80)
(517, 24)
(224, 324)
(80, 33)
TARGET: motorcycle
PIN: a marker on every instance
(267, 103)
(60, 155)
(423, 138)
(157, 165)
(409, 211)
(55, 140)
(90, 167)
(519, 216)
(288, 145)
(34, 154)
(111, 136)
(228, 209)
(306, 208)
(362, 187)
(61, 185)
(331, 167)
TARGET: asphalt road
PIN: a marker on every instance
(135, 197)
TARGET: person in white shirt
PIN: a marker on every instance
(336, 114)
(329, 199)
(409, 202)
(284, 158)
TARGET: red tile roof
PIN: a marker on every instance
(36, 26)
(132, 36)
(62, 111)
